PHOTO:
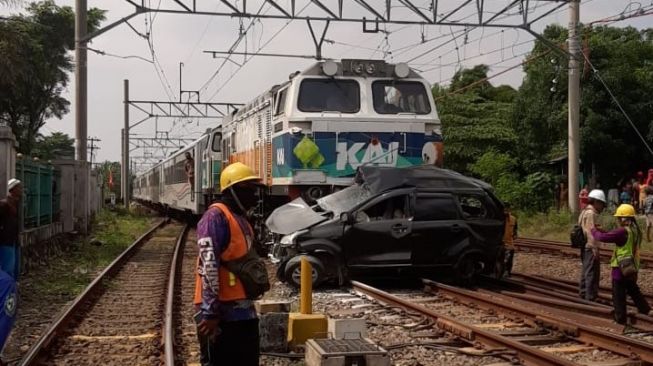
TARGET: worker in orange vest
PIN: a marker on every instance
(227, 315)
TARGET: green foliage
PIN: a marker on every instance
(622, 56)
(58, 145)
(475, 120)
(68, 275)
(35, 66)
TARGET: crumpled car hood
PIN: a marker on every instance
(293, 216)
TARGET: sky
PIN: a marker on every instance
(183, 38)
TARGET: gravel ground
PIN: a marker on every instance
(570, 268)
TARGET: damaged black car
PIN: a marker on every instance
(419, 220)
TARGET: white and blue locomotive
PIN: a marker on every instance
(307, 136)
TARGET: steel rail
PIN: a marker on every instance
(168, 321)
(65, 318)
(528, 355)
(565, 248)
(618, 344)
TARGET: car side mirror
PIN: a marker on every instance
(346, 218)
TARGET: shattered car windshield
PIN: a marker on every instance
(344, 200)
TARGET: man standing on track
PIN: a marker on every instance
(224, 237)
(591, 271)
(10, 230)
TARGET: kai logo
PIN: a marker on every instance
(357, 155)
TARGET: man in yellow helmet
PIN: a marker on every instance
(227, 318)
(624, 262)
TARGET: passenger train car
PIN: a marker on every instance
(307, 136)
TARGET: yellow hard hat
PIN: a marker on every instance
(236, 173)
(625, 210)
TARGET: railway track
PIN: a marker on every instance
(124, 315)
(526, 330)
(562, 248)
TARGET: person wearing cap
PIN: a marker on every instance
(10, 229)
(624, 262)
(226, 315)
(590, 258)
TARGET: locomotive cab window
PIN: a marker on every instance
(216, 145)
(393, 97)
(329, 95)
(281, 102)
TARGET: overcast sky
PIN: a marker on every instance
(182, 38)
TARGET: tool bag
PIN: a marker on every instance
(577, 237)
(250, 270)
(627, 265)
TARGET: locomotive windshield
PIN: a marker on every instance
(329, 95)
(393, 97)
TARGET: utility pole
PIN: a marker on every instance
(573, 105)
(124, 177)
(81, 110)
(92, 148)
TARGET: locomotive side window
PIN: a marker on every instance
(281, 102)
(393, 97)
(329, 95)
(435, 208)
(216, 146)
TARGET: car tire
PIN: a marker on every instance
(465, 271)
(292, 272)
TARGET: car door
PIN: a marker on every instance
(437, 229)
(380, 233)
(483, 218)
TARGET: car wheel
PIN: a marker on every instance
(292, 273)
(465, 270)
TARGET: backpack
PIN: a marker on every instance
(577, 237)
(251, 271)
(577, 234)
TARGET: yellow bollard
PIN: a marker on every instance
(306, 287)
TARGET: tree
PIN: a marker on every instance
(110, 170)
(622, 56)
(58, 145)
(476, 119)
(34, 67)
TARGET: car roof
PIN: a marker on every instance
(423, 177)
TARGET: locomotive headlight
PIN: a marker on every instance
(370, 68)
(295, 130)
(358, 68)
(402, 70)
(329, 68)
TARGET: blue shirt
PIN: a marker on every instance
(9, 302)
(213, 237)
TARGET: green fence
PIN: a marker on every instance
(42, 192)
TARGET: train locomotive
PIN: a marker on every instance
(307, 136)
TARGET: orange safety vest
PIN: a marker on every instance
(230, 287)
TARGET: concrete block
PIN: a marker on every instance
(272, 306)
(302, 327)
(377, 360)
(353, 328)
(273, 331)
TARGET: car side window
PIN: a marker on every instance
(473, 207)
(392, 208)
(435, 208)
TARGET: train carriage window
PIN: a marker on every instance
(216, 146)
(393, 97)
(281, 102)
(332, 95)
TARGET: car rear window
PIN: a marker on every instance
(473, 207)
(435, 208)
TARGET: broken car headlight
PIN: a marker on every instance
(292, 238)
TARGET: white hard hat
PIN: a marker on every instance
(598, 195)
(13, 182)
